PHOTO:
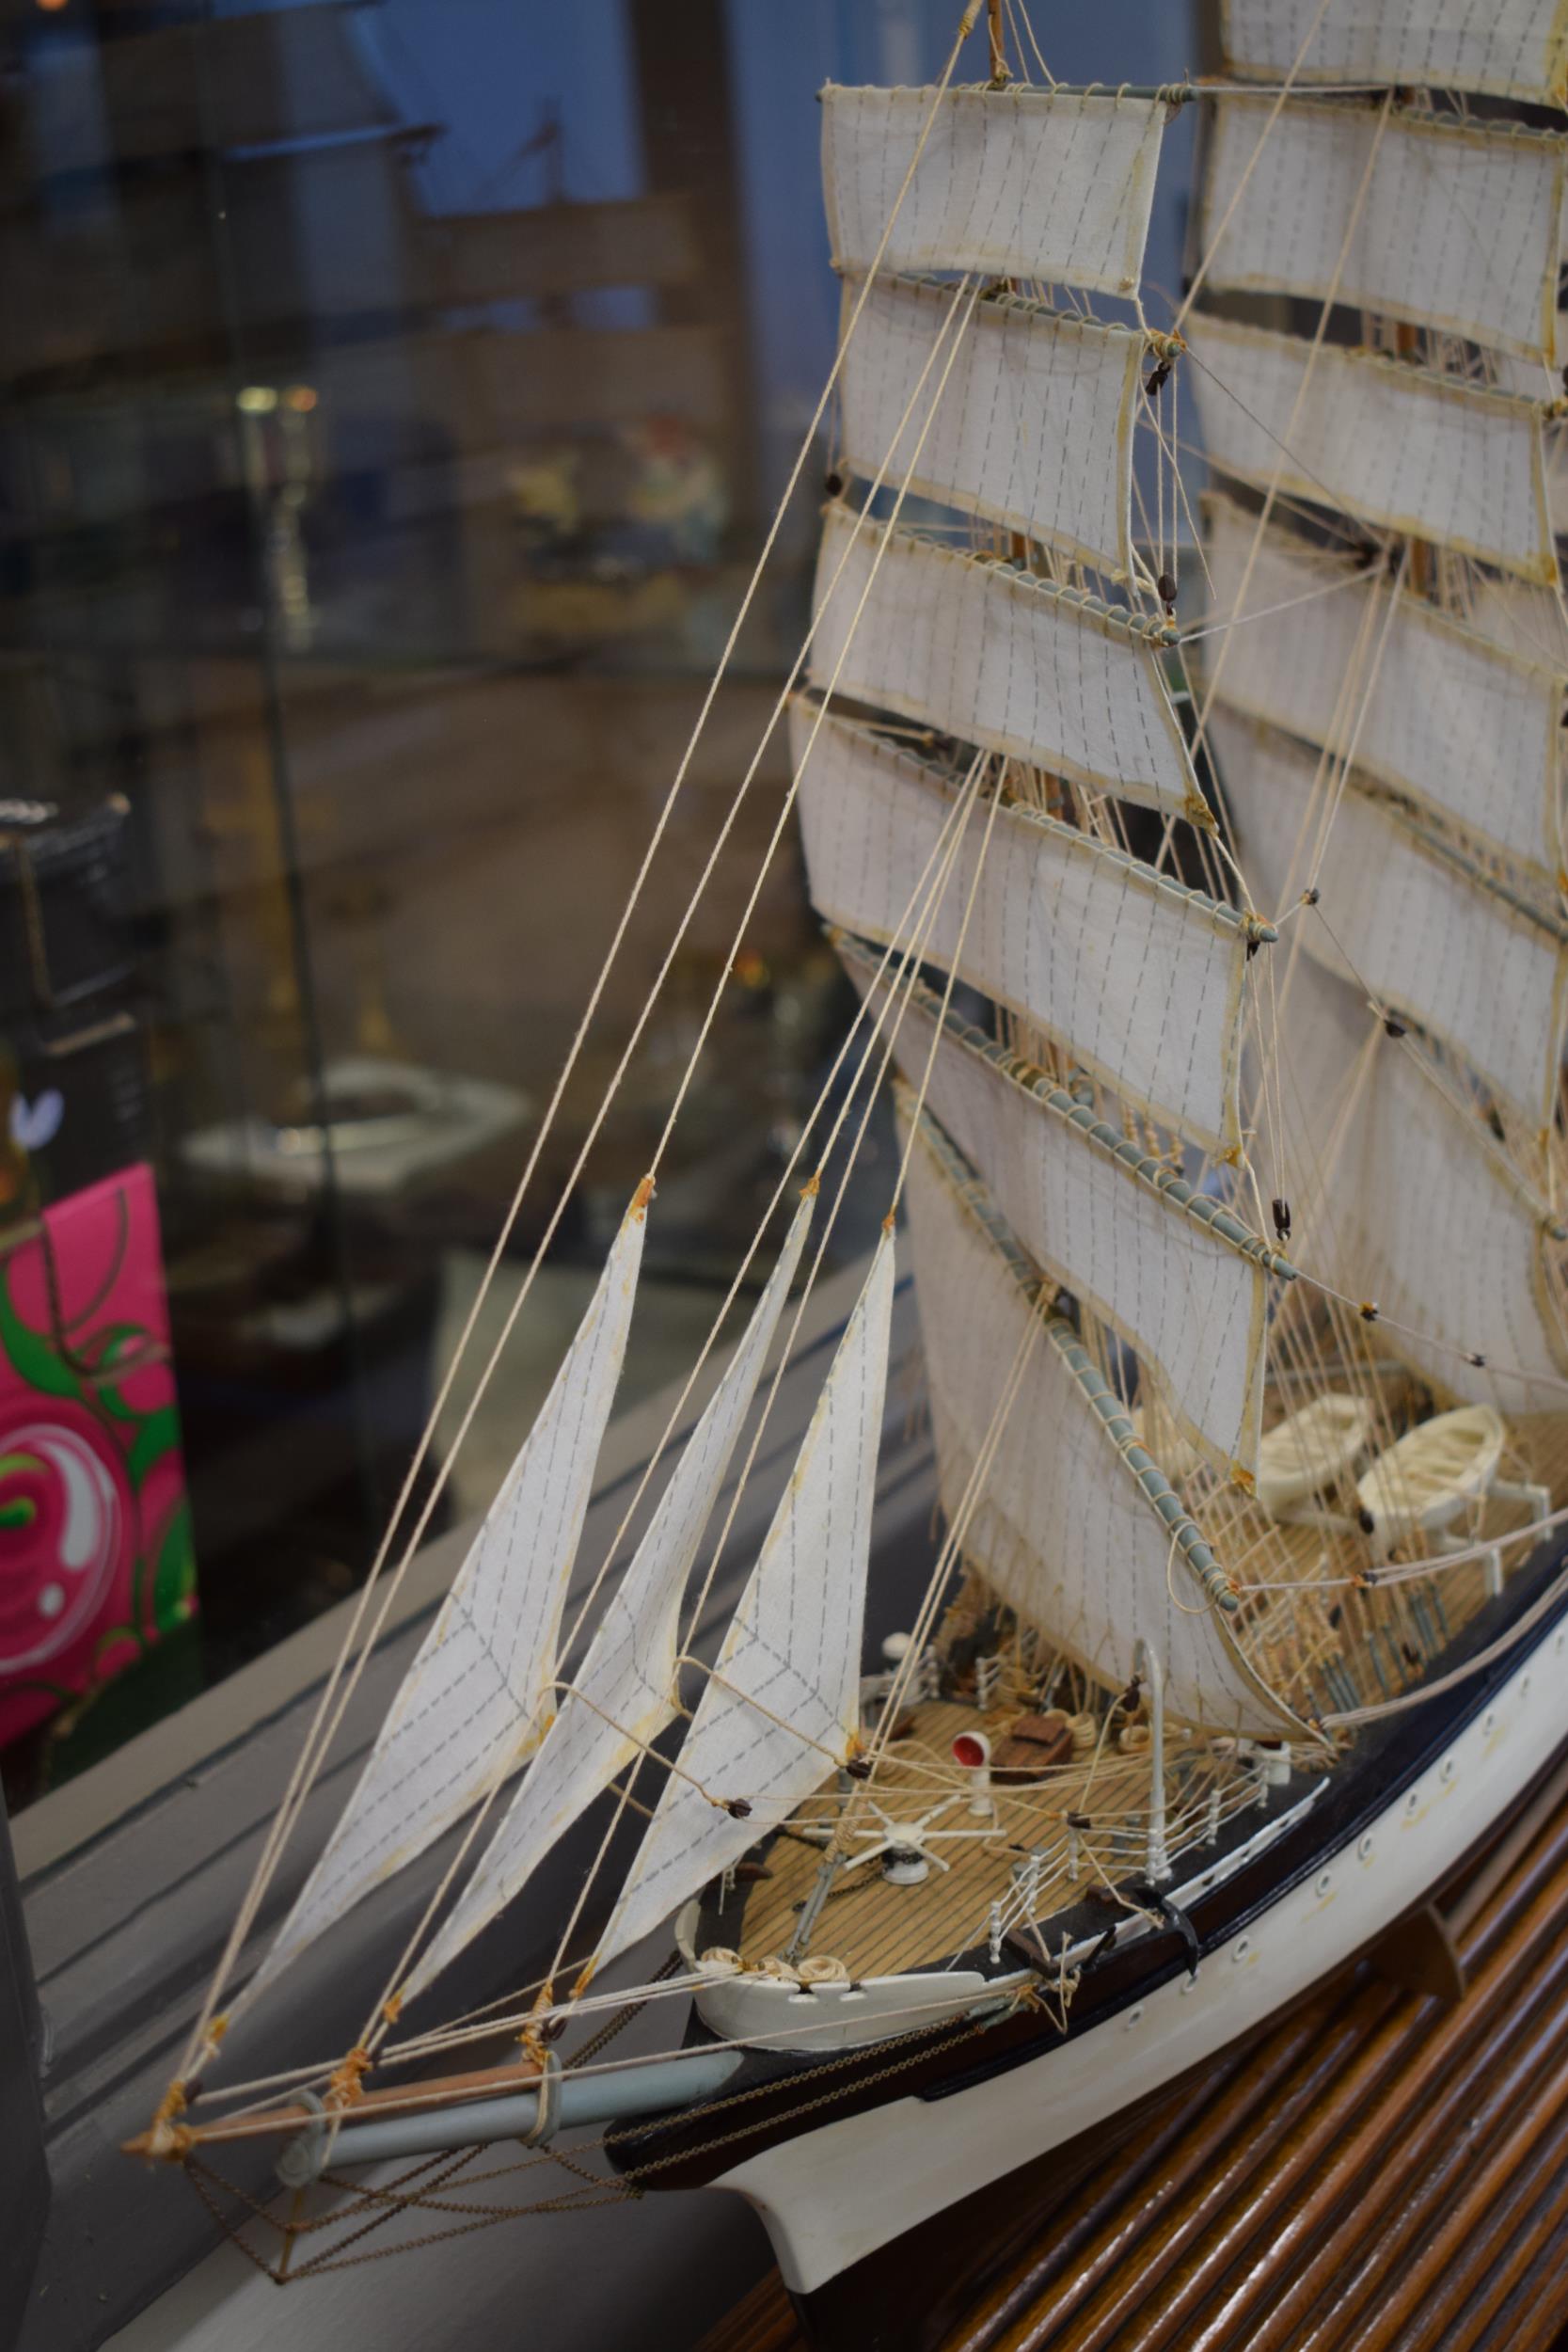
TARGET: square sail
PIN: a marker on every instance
(1050, 185)
(1064, 1529)
(1415, 1206)
(1151, 1261)
(978, 649)
(1442, 460)
(1135, 975)
(1034, 424)
(1450, 225)
(1508, 48)
(1424, 931)
(1431, 704)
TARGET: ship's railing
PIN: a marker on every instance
(1086, 1853)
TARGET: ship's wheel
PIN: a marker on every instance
(886, 1835)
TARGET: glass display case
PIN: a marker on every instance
(393, 400)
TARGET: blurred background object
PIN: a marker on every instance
(393, 398)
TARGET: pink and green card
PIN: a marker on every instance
(96, 1560)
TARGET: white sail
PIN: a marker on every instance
(1419, 928)
(1555, 444)
(1137, 976)
(471, 1707)
(781, 1704)
(1050, 185)
(1417, 1212)
(978, 649)
(1034, 423)
(624, 1692)
(1442, 460)
(1176, 1278)
(1450, 225)
(1064, 1529)
(1528, 623)
(1430, 706)
(1511, 48)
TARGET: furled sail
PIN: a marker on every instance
(781, 1704)
(1034, 423)
(1419, 1210)
(1430, 706)
(624, 1692)
(1175, 1275)
(1448, 224)
(1416, 924)
(1511, 48)
(1138, 977)
(1065, 1529)
(978, 649)
(471, 1707)
(1446, 461)
(1052, 185)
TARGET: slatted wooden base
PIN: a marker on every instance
(1385, 2170)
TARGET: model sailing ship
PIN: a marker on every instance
(1231, 1170)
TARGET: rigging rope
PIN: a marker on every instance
(314, 1746)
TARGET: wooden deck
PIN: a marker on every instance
(874, 1927)
(1383, 2171)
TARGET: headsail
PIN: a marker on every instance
(1175, 1275)
(1054, 186)
(1034, 427)
(469, 1709)
(624, 1692)
(1135, 974)
(1066, 1530)
(782, 1705)
(980, 649)
(1446, 461)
